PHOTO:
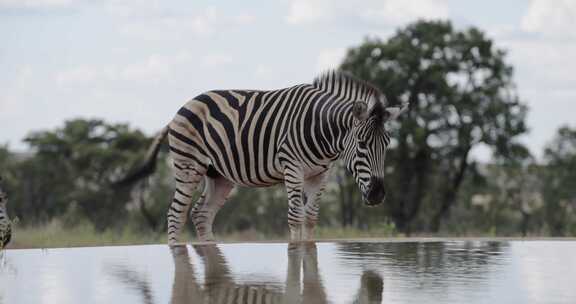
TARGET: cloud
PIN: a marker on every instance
(24, 75)
(399, 12)
(330, 59)
(542, 63)
(152, 70)
(204, 23)
(163, 28)
(82, 75)
(216, 60)
(34, 4)
(388, 12)
(262, 71)
(244, 19)
(305, 11)
(540, 48)
(551, 18)
(132, 8)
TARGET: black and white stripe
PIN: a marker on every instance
(303, 282)
(261, 138)
(5, 225)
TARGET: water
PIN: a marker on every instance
(392, 272)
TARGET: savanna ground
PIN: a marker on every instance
(56, 235)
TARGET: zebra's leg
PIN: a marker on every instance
(216, 269)
(185, 285)
(219, 286)
(313, 287)
(187, 176)
(313, 189)
(296, 215)
(216, 191)
(293, 289)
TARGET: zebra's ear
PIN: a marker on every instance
(360, 110)
(394, 112)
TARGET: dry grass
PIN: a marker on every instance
(56, 235)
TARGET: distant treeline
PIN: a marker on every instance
(461, 95)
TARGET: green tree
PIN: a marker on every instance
(560, 182)
(74, 165)
(461, 94)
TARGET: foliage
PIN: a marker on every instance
(560, 183)
(461, 95)
(57, 234)
(72, 166)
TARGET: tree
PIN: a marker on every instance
(348, 196)
(74, 165)
(461, 94)
(560, 181)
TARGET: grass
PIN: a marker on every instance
(56, 235)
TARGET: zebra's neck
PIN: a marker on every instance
(330, 122)
(344, 87)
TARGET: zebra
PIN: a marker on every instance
(259, 138)
(219, 285)
(303, 281)
(5, 223)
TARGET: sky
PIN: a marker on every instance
(138, 61)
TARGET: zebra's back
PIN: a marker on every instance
(237, 132)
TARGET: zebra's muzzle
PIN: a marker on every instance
(376, 193)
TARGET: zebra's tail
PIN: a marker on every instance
(149, 165)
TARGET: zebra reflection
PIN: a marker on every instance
(220, 287)
(303, 284)
(135, 281)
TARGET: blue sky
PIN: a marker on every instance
(137, 61)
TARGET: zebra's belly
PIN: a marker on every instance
(251, 175)
(273, 177)
(252, 183)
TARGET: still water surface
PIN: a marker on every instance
(380, 272)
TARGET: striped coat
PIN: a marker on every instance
(262, 138)
(5, 225)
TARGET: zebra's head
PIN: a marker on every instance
(5, 225)
(366, 148)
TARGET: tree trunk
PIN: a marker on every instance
(347, 213)
(413, 185)
(451, 191)
(555, 219)
(525, 223)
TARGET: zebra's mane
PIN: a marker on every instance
(344, 85)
